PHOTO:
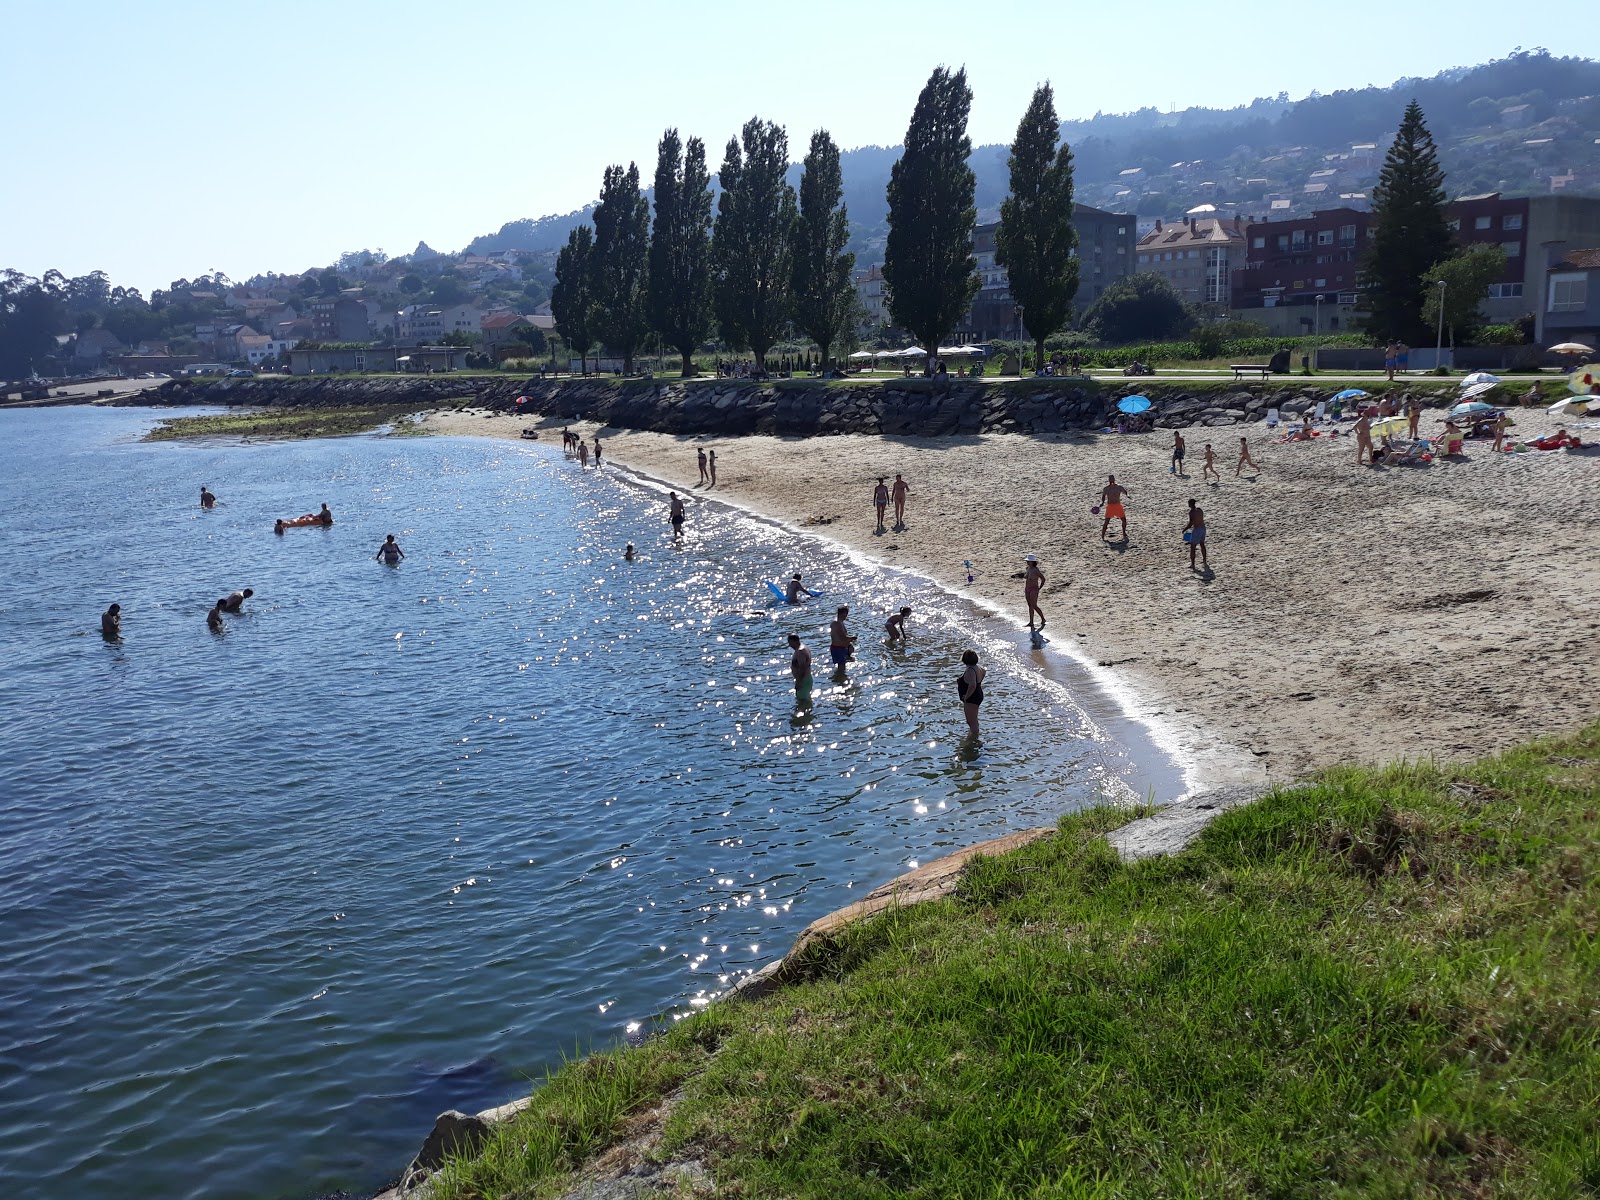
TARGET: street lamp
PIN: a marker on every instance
(1316, 317)
(1438, 349)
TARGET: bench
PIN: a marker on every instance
(1240, 369)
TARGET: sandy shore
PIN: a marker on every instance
(1350, 613)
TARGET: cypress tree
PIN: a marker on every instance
(680, 247)
(824, 292)
(1036, 235)
(622, 263)
(752, 246)
(1409, 233)
(927, 260)
(572, 295)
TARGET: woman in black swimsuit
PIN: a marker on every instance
(969, 686)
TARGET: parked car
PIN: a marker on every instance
(241, 373)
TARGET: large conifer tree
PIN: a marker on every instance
(680, 247)
(752, 246)
(927, 260)
(824, 292)
(572, 296)
(1409, 233)
(622, 263)
(1036, 235)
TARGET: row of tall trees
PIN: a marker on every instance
(773, 259)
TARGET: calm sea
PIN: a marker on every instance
(398, 840)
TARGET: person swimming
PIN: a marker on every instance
(628, 552)
(390, 551)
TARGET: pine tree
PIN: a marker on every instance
(928, 266)
(572, 295)
(824, 290)
(622, 263)
(752, 246)
(1036, 235)
(1409, 233)
(680, 247)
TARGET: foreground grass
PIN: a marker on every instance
(1383, 984)
(291, 423)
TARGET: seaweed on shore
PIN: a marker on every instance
(290, 423)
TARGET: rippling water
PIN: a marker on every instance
(399, 839)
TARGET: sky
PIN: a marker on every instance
(166, 139)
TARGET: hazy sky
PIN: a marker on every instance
(162, 139)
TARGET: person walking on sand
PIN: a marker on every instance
(1177, 456)
(1363, 432)
(711, 466)
(1245, 459)
(969, 686)
(1209, 467)
(1391, 357)
(702, 457)
(841, 646)
(1032, 582)
(1194, 532)
(800, 668)
(880, 499)
(675, 514)
(390, 552)
(900, 491)
(1112, 496)
(235, 601)
(111, 623)
(1413, 417)
(1500, 424)
(895, 626)
(207, 500)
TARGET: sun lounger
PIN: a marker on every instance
(1409, 452)
(1272, 418)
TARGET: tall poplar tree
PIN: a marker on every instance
(680, 247)
(572, 295)
(927, 260)
(824, 292)
(752, 246)
(1036, 236)
(622, 263)
(1409, 233)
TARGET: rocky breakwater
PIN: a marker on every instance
(913, 407)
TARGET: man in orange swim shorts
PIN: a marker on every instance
(1112, 496)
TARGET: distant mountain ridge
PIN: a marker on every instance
(1511, 125)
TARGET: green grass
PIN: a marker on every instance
(291, 423)
(1382, 984)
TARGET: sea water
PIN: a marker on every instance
(400, 839)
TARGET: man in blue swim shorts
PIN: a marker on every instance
(841, 646)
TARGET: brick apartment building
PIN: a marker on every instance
(1197, 256)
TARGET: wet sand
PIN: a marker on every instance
(1350, 613)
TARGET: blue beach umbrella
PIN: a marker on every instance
(1133, 404)
(1350, 394)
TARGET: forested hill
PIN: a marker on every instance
(1507, 125)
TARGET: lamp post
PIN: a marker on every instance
(1316, 317)
(1438, 348)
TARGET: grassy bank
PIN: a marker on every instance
(1381, 984)
(290, 423)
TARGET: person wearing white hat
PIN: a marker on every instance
(1031, 583)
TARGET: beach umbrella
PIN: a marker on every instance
(1349, 394)
(1389, 427)
(1472, 408)
(1478, 377)
(1568, 406)
(1477, 389)
(1584, 378)
(1571, 348)
(1134, 404)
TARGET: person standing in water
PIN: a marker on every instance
(702, 456)
(583, 455)
(235, 601)
(800, 668)
(111, 623)
(214, 617)
(880, 499)
(1032, 581)
(841, 646)
(1194, 532)
(326, 515)
(390, 552)
(900, 491)
(597, 452)
(791, 595)
(969, 686)
(896, 626)
(207, 500)
(627, 553)
(1245, 459)
(1112, 496)
(278, 527)
(675, 514)
(711, 465)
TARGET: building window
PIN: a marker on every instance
(1324, 237)
(1505, 291)
(1299, 283)
(1283, 241)
(1322, 283)
(1455, 224)
(1511, 221)
(1122, 230)
(1347, 234)
(1259, 243)
(1143, 258)
(1482, 223)
(1569, 292)
(1512, 249)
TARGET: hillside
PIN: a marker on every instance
(1508, 125)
